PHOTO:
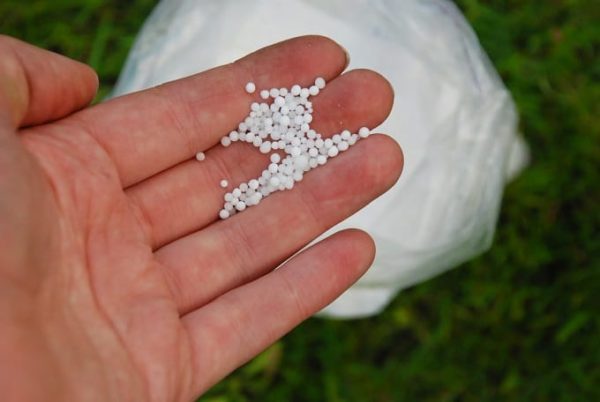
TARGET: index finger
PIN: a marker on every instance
(149, 131)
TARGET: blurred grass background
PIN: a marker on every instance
(519, 323)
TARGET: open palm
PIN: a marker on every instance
(117, 282)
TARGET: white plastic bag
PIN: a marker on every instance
(452, 115)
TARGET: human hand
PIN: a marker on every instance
(117, 282)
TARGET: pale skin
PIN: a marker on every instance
(117, 280)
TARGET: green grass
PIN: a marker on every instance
(519, 323)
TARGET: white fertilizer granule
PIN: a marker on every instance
(282, 125)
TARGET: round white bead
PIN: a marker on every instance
(320, 82)
(301, 162)
(234, 136)
(225, 141)
(223, 214)
(313, 90)
(224, 183)
(240, 206)
(200, 156)
(274, 181)
(254, 199)
(274, 92)
(289, 184)
(264, 94)
(275, 158)
(333, 151)
(273, 168)
(250, 87)
(279, 101)
(364, 132)
(265, 147)
(296, 89)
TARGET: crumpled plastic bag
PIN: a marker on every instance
(452, 115)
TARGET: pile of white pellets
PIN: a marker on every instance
(282, 127)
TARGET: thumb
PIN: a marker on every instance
(38, 86)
